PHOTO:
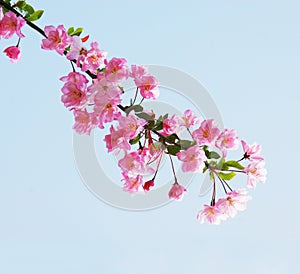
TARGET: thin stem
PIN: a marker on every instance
(136, 93)
(18, 43)
(141, 101)
(173, 169)
(73, 66)
(158, 165)
(213, 199)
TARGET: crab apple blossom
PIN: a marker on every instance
(132, 184)
(227, 139)
(84, 121)
(13, 53)
(252, 152)
(132, 125)
(57, 39)
(149, 87)
(92, 59)
(176, 192)
(116, 140)
(256, 173)
(212, 214)
(135, 163)
(76, 48)
(207, 133)
(234, 201)
(11, 24)
(193, 159)
(137, 72)
(171, 125)
(73, 97)
(190, 119)
(107, 106)
(76, 78)
(117, 70)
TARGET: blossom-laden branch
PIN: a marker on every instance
(93, 91)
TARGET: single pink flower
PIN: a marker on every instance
(256, 173)
(137, 72)
(117, 70)
(131, 125)
(252, 152)
(11, 24)
(107, 106)
(132, 184)
(176, 192)
(234, 201)
(116, 140)
(92, 59)
(73, 97)
(190, 119)
(76, 48)
(212, 214)
(84, 121)
(193, 159)
(172, 125)
(57, 39)
(76, 78)
(207, 133)
(149, 87)
(13, 53)
(227, 139)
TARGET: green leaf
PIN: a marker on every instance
(29, 10)
(227, 176)
(77, 32)
(234, 164)
(158, 125)
(211, 154)
(172, 138)
(173, 150)
(136, 108)
(35, 16)
(185, 144)
(135, 140)
(70, 31)
(21, 5)
(222, 165)
(145, 116)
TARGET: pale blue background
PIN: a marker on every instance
(245, 52)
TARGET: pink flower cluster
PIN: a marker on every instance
(11, 24)
(225, 207)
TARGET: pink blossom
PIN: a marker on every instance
(107, 106)
(117, 70)
(72, 95)
(76, 78)
(134, 164)
(132, 125)
(13, 53)
(256, 173)
(137, 72)
(212, 214)
(190, 119)
(57, 39)
(193, 159)
(252, 152)
(10, 24)
(116, 140)
(171, 125)
(235, 201)
(148, 86)
(84, 121)
(92, 59)
(76, 48)
(176, 192)
(132, 184)
(227, 139)
(207, 133)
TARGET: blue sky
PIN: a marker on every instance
(246, 53)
